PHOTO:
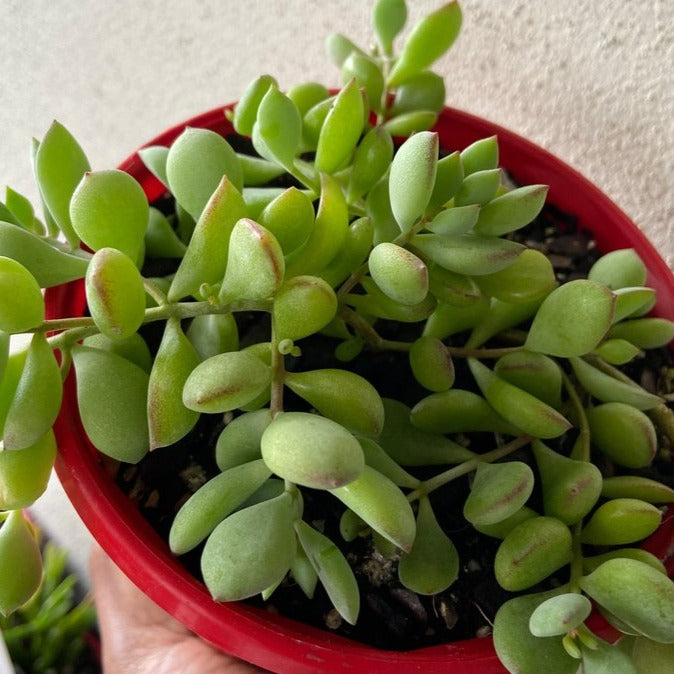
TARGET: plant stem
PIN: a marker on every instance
(463, 352)
(577, 558)
(582, 447)
(278, 373)
(442, 479)
(368, 334)
(154, 292)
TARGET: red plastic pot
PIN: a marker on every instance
(271, 641)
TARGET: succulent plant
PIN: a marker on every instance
(346, 223)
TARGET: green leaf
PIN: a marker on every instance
(115, 293)
(195, 166)
(388, 19)
(617, 351)
(448, 180)
(154, 158)
(20, 207)
(478, 188)
(20, 563)
(427, 42)
(257, 171)
(641, 555)
(533, 372)
(341, 129)
(572, 320)
(225, 382)
(458, 411)
(312, 451)
(455, 220)
(531, 552)
(380, 503)
(160, 239)
(482, 155)
(409, 123)
(368, 76)
(637, 594)
(432, 565)
(636, 486)
(112, 400)
(621, 521)
(504, 527)
(339, 47)
(110, 209)
(605, 658)
(467, 253)
(132, 348)
(168, 418)
(412, 446)
(24, 474)
(530, 277)
(212, 232)
(498, 491)
(432, 364)
(245, 111)
(44, 259)
(352, 254)
(213, 502)
(623, 433)
(60, 164)
(278, 130)
(518, 649)
(412, 178)
(236, 565)
(239, 441)
(304, 573)
(651, 656)
(342, 396)
(255, 263)
(400, 274)
(376, 303)
(457, 290)
(302, 306)
(518, 406)
(631, 301)
(212, 334)
(619, 269)
(333, 571)
(377, 458)
(571, 488)
(500, 316)
(646, 333)
(511, 211)
(307, 94)
(559, 615)
(424, 91)
(37, 399)
(21, 303)
(290, 218)
(370, 162)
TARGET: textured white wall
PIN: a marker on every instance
(590, 80)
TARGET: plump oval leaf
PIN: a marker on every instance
(133, 348)
(380, 503)
(646, 333)
(110, 209)
(236, 565)
(352, 254)
(370, 162)
(511, 211)
(225, 382)
(44, 259)
(572, 320)
(60, 164)
(432, 364)
(531, 552)
(621, 521)
(212, 232)
(368, 76)
(168, 418)
(428, 41)
(533, 372)
(478, 188)
(619, 269)
(412, 178)
(290, 218)
(196, 163)
(161, 240)
(637, 594)
(518, 406)
(425, 91)
(377, 458)
(625, 434)
(388, 19)
(112, 400)
(239, 441)
(408, 123)
(332, 569)
(278, 129)
(559, 615)
(302, 306)
(310, 450)
(24, 474)
(432, 565)
(213, 502)
(20, 563)
(212, 334)
(21, 302)
(498, 491)
(400, 274)
(342, 396)
(115, 293)
(638, 487)
(37, 399)
(482, 155)
(154, 158)
(245, 111)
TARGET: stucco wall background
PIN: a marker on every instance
(590, 80)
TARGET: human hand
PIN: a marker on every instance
(138, 637)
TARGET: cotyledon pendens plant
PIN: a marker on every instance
(374, 232)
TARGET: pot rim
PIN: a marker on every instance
(253, 634)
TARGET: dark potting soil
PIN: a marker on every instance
(392, 617)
